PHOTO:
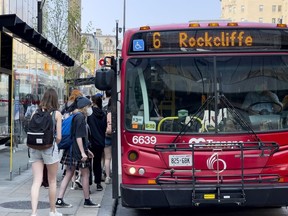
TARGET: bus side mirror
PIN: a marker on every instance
(104, 79)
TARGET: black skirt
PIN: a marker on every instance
(69, 160)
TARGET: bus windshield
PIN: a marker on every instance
(207, 94)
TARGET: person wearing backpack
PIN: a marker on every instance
(66, 111)
(97, 123)
(30, 110)
(78, 157)
(49, 156)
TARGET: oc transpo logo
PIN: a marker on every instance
(215, 164)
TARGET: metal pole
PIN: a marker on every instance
(124, 17)
(39, 18)
(40, 6)
(98, 51)
(117, 29)
(3, 6)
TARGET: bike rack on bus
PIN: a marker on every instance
(219, 188)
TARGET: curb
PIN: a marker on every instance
(114, 207)
(108, 204)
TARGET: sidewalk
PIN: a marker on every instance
(15, 198)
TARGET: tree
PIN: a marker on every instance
(62, 26)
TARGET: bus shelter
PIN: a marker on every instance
(29, 64)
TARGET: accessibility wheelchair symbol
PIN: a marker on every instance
(138, 45)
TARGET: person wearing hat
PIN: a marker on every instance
(79, 155)
(99, 95)
(66, 111)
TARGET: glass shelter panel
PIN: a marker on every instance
(212, 94)
(33, 73)
(4, 104)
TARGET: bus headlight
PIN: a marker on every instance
(133, 156)
(141, 171)
(132, 170)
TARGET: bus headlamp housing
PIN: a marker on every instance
(132, 170)
(133, 156)
(141, 171)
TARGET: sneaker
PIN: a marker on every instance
(89, 204)
(102, 177)
(45, 185)
(61, 204)
(55, 213)
(107, 180)
(99, 187)
(78, 183)
(75, 186)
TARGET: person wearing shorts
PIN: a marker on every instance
(49, 156)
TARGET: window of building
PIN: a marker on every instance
(273, 20)
(242, 8)
(260, 20)
(108, 45)
(279, 20)
(273, 8)
(279, 8)
(261, 8)
(230, 9)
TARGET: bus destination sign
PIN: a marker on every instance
(207, 40)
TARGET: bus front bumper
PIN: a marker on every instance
(155, 196)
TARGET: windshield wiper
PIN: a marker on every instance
(231, 109)
(193, 118)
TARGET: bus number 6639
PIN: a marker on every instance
(144, 140)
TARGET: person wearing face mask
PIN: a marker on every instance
(97, 123)
(79, 156)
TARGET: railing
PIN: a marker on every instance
(217, 185)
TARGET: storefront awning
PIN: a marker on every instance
(18, 27)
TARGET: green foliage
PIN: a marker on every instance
(62, 26)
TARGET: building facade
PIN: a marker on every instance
(26, 10)
(91, 53)
(264, 11)
(96, 47)
(29, 65)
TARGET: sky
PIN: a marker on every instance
(103, 15)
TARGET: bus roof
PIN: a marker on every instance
(206, 36)
(205, 24)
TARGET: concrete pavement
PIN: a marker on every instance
(15, 198)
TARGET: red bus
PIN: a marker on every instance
(200, 115)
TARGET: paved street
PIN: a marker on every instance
(15, 194)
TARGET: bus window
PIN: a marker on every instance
(211, 90)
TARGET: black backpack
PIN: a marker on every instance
(41, 130)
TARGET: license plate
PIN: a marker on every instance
(180, 160)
